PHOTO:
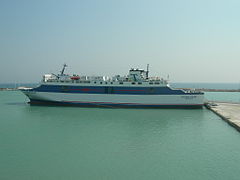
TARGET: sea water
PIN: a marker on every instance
(59, 143)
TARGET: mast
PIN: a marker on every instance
(147, 72)
(63, 69)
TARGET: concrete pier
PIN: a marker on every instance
(230, 112)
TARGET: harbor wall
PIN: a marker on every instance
(229, 112)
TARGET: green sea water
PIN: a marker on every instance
(223, 96)
(48, 143)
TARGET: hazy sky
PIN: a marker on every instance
(189, 40)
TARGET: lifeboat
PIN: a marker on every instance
(75, 78)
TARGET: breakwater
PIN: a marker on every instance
(229, 112)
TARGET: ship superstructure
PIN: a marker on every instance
(136, 89)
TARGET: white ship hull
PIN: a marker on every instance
(116, 100)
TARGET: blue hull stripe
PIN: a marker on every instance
(112, 90)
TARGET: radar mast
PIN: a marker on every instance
(63, 69)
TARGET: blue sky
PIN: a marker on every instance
(191, 41)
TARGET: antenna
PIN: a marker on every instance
(63, 69)
(147, 72)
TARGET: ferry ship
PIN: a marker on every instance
(135, 90)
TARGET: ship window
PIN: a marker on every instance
(100, 82)
(151, 83)
(120, 82)
(151, 90)
(64, 88)
(105, 82)
(133, 83)
(111, 82)
(157, 83)
(109, 90)
(139, 83)
(95, 82)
